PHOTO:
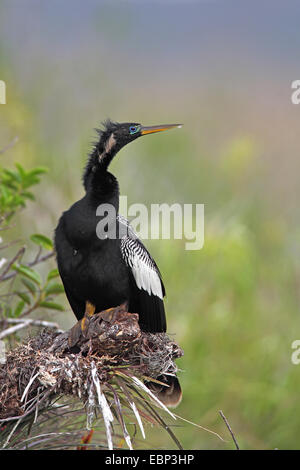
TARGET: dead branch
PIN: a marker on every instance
(24, 323)
(229, 429)
(10, 145)
(19, 254)
(32, 263)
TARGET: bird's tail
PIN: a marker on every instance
(169, 394)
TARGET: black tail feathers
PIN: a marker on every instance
(152, 317)
(169, 394)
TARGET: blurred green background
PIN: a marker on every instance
(224, 69)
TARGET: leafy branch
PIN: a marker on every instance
(26, 292)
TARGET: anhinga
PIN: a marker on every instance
(103, 272)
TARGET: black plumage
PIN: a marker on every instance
(108, 271)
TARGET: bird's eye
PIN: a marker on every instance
(134, 129)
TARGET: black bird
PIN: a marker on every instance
(100, 272)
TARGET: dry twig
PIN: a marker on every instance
(10, 145)
(24, 323)
(229, 429)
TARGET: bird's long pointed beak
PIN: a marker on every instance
(163, 127)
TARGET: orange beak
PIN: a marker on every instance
(162, 127)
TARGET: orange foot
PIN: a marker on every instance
(81, 326)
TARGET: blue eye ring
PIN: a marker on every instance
(134, 129)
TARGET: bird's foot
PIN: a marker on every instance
(91, 322)
(81, 327)
(89, 309)
(85, 321)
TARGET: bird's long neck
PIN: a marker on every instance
(100, 185)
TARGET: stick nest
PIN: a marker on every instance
(110, 345)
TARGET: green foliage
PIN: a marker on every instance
(28, 273)
(39, 294)
(42, 241)
(28, 292)
(14, 188)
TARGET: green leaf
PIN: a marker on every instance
(7, 311)
(24, 297)
(28, 195)
(30, 181)
(5, 193)
(42, 241)
(53, 274)
(39, 170)
(21, 170)
(30, 285)
(52, 306)
(54, 288)
(28, 272)
(19, 308)
(10, 175)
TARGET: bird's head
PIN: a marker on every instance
(113, 136)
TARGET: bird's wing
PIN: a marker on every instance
(143, 266)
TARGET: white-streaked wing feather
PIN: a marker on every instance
(135, 255)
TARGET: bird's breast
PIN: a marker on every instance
(98, 273)
(93, 268)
